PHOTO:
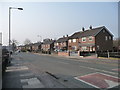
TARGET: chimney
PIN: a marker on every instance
(83, 29)
(90, 27)
(67, 35)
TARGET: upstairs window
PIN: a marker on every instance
(90, 38)
(74, 40)
(110, 37)
(106, 38)
(84, 39)
(70, 41)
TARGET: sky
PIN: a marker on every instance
(55, 19)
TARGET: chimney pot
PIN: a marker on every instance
(83, 29)
(90, 27)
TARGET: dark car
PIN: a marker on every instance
(5, 59)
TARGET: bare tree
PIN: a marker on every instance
(15, 41)
(116, 44)
(27, 41)
(14, 44)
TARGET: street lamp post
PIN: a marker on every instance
(10, 24)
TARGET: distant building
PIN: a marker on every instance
(28, 47)
(48, 45)
(36, 46)
(61, 44)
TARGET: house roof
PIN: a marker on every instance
(49, 42)
(37, 44)
(63, 39)
(89, 32)
(21, 46)
(75, 35)
(29, 44)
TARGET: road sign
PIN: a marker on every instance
(99, 80)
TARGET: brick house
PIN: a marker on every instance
(47, 46)
(73, 42)
(91, 40)
(61, 44)
(21, 47)
(36, 47)
(28, 47)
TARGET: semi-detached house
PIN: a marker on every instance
(61, 44)
(48, 46)
(91, 40)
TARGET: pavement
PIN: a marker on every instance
(28, 70)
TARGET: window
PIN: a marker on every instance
(74, 40)
(110, 37)
(98, 47)
(74, 48)
(106, 38)
(69, 41)
(84, 39)
(90, 48)
(84, 48)
(90, 38)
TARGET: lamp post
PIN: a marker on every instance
(10, 24)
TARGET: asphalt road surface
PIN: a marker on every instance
(71, 72)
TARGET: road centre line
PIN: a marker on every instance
(63, 62)
(88, 67)
(98, 69)
(68, 58)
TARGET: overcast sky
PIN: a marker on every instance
(55, 19)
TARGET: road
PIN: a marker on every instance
(66, 70)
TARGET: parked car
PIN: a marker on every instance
(5, 59)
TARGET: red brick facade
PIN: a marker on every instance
(63, 54)
(97, 39)
(73, 44)
(45, 47)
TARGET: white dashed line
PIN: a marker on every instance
(16, 68)
(26, 74)
(98, 70)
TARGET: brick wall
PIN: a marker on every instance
(71, 44)
(63, 53)
(87, 40)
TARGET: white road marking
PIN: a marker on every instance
(26, 74)
(62, 62)
(98, 70)
(85, 82)
(16, 68)
(111, 83)
(32, 83)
